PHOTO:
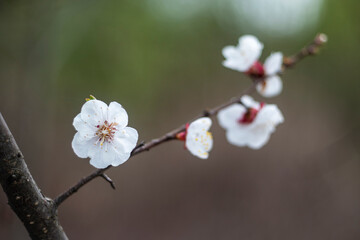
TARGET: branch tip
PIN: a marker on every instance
(321, 38)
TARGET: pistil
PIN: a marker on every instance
(106, 132)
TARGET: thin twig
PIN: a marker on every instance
(311, 49)
(108, 179)
(58, 200)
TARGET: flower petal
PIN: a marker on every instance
(80, 146)
(253, 136)
(264, 125)
(237, 136)
(258, 139)
(233, 58)
(120, 159)
(94, 112)
(117, 114)
(273, 63)
(228, 117)
(271, 87)
(230, 52)
(270, 114)
(251, 49)
(250, 102)
(243, 56)
(201, 124)
(101, 158)
(86, 130)
(125, 140)
(106, 155)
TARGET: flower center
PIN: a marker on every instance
(106, 132)
(250, 115)
(256, 70)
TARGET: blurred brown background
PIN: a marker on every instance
(161, 59)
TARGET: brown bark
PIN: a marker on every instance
(36, 211)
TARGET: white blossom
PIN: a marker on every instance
(244, 55)
(245, 58)
(251, 125)
(272, 85)
(197, 138)
(103, 135)
(273, 63)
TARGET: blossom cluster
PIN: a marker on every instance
(103, 135)
(245, 58)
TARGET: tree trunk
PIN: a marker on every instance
(37, 212)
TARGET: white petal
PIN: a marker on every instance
(253, 136)
(273, 63)
(243, 56)
(94, 112)
(125, 140)
(103, 158)
(258, 139)
(250, 102)
(198, 140)
(117, 113)
(230, 52)
(106, 155)
(233, 60)
(200, 145)
(120, 159)
(201, 124)
(98, 162)
(271, 87)
(80, 146)
(228, 117)
(264, 125)
(270, 114)
(86, 130)
(251, 47)
(237, 136)
(111, 156)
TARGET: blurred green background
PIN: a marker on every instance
(161, 59)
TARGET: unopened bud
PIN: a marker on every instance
(90, 98)
(321, 39)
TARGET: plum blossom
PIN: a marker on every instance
(197, 138)
(250, 123)
(103, 135)
(244, 55)
(245, 58)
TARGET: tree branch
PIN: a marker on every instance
(312, 49)
(108, 179)
(36, 211)
(288, 62)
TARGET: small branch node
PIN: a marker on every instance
(206, 113)
(141, 144)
